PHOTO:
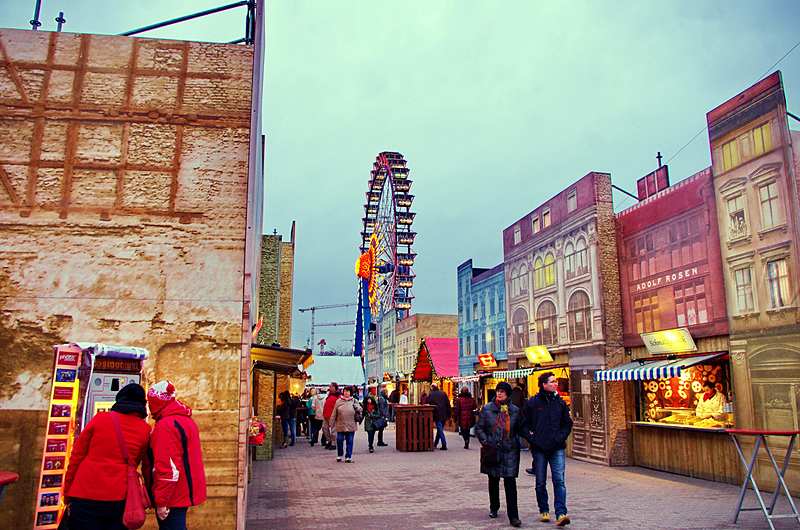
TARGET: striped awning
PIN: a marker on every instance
(466, 379)
(512, 374)
(646, 369)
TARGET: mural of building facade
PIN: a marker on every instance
(755, 179)
(409, 334)
(562, 292)
(125, 197)
(481, 316)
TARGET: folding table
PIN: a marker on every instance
(761, 439)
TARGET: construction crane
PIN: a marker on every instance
(331, 306)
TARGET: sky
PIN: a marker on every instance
(496, 106)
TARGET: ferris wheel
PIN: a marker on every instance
(387, 237)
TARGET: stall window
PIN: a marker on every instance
(778, 278)
(579, 315)
(546, 327)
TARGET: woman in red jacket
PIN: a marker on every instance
(175, 472)
(96, 482)
(464, 413)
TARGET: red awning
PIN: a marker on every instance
(437, 357)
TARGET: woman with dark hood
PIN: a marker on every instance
(96, 482)
(286, 411)
(501, 424)
(464, 411)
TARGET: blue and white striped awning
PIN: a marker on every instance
(646, 369)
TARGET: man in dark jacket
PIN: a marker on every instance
(439, 399)
(548, 420)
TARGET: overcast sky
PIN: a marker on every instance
(496, 106)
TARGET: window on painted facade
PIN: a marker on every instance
(546, 219)
(643, 255)
(730, 154)
(646, 313)
(569, 261)
(475, 342)
(549, 270)
(501, 335)
(581, 257)
(467, 347)
(519, 329)
(546, 327)
(461, 347)
(492, 344)
(579, 316)
(690, 303)
(744, 290)
(483, 342)
(770, 206)
(475, 311)
(491, 304)
(501, 304)
(762, 139)
(522, 280)
(483, 307)
(517, 235)
(535, 224)
(460, 315)
(738, 221)
(685, 243)
(538, 274)
(572, 200)
(778, 283)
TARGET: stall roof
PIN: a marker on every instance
(437, 357)
(106, 350)
(281, 360)
(343, 370)
(653, 369)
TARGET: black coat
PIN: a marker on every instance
(440, 400)
(508, 449)
(547, 418)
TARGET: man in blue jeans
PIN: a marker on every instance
(439, 399)
(547, 418)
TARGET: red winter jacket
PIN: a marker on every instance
(465, 410)
(330, 402)
(96, 470)
(175, 474)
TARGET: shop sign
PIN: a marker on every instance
(487, 360)
(669, 341)
(668, 279)
(538, 355)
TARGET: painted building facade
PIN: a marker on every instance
(755, 167)
(409, 334)
(276, 289)
(481, 316)
(130, 213)
(562, 292)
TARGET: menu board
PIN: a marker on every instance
(59, 437)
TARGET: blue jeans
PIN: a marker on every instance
(288, 430)
(87, 514)
(176, 520)
(557, 465)
(439, 434)
(341, 438)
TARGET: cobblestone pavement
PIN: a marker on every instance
(304, 487)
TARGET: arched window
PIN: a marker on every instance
(546, 326)
(538, 274)
(519, 329)
(581, 258)
(569, 260)
(549, 270)
(523, 279)
(579, 316)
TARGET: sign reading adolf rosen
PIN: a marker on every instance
(669, 341)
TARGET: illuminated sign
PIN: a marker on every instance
(538, 355)
(487, 360)
(669, 341)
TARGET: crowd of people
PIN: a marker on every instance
(96, 481)
(504, 427)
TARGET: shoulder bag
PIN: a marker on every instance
(359, 415)
(379, 423)
(137, 500)
(489, 455)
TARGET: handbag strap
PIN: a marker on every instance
(122, 446)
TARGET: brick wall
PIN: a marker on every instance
(122, 221)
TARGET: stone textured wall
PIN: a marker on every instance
(269, 288)
(123, 180)
(286, 296)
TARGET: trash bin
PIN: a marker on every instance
(414, 424)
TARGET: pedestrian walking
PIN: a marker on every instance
(373, 419)
(465, 414)
(394, 399)
(96, 482)
(327, 426)
(301, 417)
(499, 427)
(286, 411)
(343, 417)
(548, 421)
(383, 406)
(176, 475)
(314, 421)
(439, 399)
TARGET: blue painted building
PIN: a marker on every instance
(481, 316)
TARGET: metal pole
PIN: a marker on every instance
(35, 22)
(61, 20)
(185, 18)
